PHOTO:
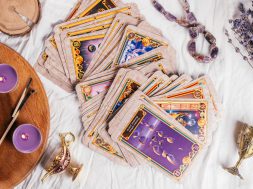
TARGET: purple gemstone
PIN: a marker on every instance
(170, 17)
(157, 5)
(193, 32)
(201, 28)
(191, 17)
(202, 58)
(191, 47)
(214, 52)
(209, 37)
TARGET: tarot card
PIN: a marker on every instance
(111, 41)
(98, 144)
(89, 27)
(157, 79)
(89, 116)
(43, 71)
(135, 42)
(88, 89)
(130, 9)
(54, 71)
(128, 156)
(96, 100)
(54, 61)
(129, 84)
(167, 82)
(79, 7)
(59, 34)
(193, 114)
(149, 69)
(125, 88)
(93, 26)
(174, 85)
(69, 17)
(206, 81)
(51, 73)
(111, 73)
(157, 138)
(198, 92)
(79, 53)
(104, 66)
(96, 6)
(101, 115)
(154, 56)
(52, 52)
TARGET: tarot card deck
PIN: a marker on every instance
(134, 107)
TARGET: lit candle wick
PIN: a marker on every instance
(2, 78)
(24, 136)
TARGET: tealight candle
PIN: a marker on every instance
(8, 78)
(26, 138)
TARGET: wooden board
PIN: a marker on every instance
(17, 17)
(15, 166)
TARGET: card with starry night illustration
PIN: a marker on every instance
(135, 42)
(192, 114)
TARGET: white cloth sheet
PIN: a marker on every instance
(233, 79)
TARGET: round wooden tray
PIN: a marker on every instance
(15, 166)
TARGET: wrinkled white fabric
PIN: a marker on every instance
(233, 79)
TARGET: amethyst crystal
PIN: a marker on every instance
(191, 47)
(213, 51)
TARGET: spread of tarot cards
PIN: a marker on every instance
(134, 108)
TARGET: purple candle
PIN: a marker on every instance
(8, 78)
(26, 138)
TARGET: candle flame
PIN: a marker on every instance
(24, 136)
(2, 79)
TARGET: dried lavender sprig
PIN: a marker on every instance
(237, 49)
(246, 49)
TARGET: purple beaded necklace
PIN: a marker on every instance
(190, 22)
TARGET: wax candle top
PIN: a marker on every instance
(8, 78)
(26, 138)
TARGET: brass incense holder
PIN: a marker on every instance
(62, 160)
(245, 148)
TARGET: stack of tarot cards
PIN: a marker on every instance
(87, 42)
(148, 115)
(134, 108)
